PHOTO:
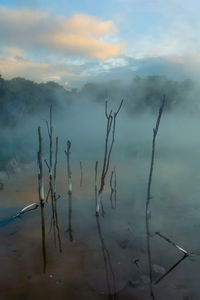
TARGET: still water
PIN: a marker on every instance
(62, 251)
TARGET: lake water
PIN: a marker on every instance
(74, 255)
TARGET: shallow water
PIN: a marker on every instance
(79, 256)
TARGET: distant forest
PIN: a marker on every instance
(19, 96)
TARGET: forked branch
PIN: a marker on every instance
(111, 124)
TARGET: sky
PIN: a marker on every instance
(79, 41)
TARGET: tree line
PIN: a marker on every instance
(20, 96)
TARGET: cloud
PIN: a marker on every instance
(80, 35)
(39, 71)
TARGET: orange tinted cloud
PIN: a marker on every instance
(17, 66)
(81, 35)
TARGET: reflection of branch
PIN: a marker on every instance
(81, 179)
(113, 189)
(185, 254)
(56, 223)
(173, 267)
(110, 276)
(43, 238)
(95, 181)
(69, 229)
(54, 196)
(147, 212)
(54, 217)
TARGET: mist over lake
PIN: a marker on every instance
(61, 248)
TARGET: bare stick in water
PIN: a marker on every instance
(26, 209)
(55, 166)
(69, 174)
(50, 133)
(40, 168)
(111, 124)
(172, 243)
(147, 212)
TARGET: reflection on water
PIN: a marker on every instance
(69, 228)
(110, 276)
(75, 269)
(113, 189)
(43, 238)
(54, 217)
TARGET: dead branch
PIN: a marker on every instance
(172, 243)
(40, 168)
(111, 123)
(47, 165)
(55, 166)
(185, 254)
(113, 189)
(147, 212)
(68, 167)
(50, 133)
(95, 181)
(26, 209)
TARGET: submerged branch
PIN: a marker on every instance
(26, 209)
